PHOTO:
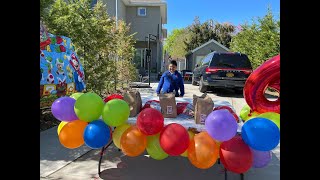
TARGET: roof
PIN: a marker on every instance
(211, 41)
(161, 3)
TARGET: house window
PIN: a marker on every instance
(142, 11)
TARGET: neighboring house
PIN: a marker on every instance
(145, 17)
(196, 55)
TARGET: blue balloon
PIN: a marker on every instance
(96, 134)
(260, 134)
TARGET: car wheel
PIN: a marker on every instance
(238, 91)
(194, 82)
(202, 87)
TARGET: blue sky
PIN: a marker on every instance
(181, 13)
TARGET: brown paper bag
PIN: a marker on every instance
(203, 107)
(168, 105)
(133, 98)
(195, 98)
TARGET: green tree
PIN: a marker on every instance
(259, 40)
(175, 45)
(204, 32)
(45, 6)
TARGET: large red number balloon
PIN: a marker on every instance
(268, 74)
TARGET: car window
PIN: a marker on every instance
(207, 59)
(231, 61)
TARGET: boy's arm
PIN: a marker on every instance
(160, 84)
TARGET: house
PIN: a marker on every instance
(145, 17)
(196, 55)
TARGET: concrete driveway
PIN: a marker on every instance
(57, 162)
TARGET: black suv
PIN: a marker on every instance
(222, 69)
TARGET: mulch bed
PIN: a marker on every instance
(47, 120)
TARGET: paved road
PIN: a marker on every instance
(56, 162)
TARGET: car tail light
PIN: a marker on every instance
(211, 70)
(247, 71)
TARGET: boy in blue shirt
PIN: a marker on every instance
(171, 81)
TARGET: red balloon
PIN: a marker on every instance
(267, 74)
(236, 155)
(174, 139)
(150, 121)
(229, 109)
(113, 96)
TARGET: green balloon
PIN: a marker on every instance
(245, 111)
(115, 112)
(88, 107)
(154, 149)
(272, 116)
(76, 95)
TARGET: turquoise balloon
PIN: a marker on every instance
(76, 95)
(88, 107)
(272, 116)
(115, 112)
(154, 149)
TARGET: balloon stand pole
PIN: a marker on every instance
(226, 175)
(218, 160)
(101, 155)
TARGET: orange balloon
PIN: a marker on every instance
(203, 151)
(71, 135)
(133, 142)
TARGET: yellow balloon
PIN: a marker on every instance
(61, 126)
(117, 133)
(191, 135)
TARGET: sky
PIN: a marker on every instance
(181, 13)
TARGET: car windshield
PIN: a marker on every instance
(230, 61)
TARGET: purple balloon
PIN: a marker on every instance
(63, 109)
(221, 125)
(261, 158)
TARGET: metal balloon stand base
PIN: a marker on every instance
(110, 142)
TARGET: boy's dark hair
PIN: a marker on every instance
(173, 62)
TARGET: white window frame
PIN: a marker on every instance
(145, 10)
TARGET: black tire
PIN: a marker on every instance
(194, 82)
(202, 87)
(238, 91)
